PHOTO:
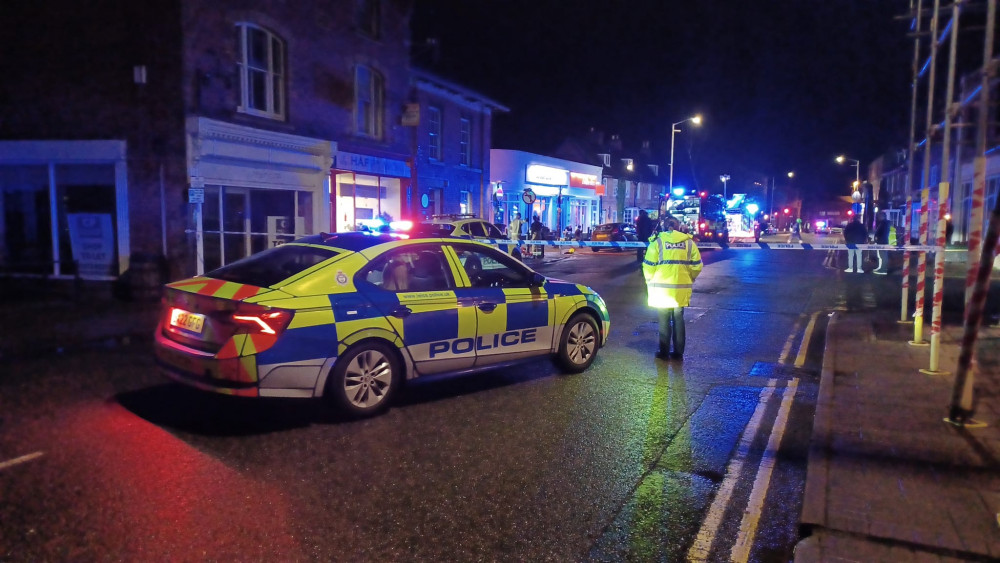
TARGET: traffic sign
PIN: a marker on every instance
(528, 196)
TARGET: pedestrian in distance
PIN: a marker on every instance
(536, 233)
(671, 265)
(796, 231)
(514, 228)
(855, 233)
(882, 228)
(643, 231)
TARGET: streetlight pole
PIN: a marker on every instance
(673, 130)
(857, 168)
(724, 178)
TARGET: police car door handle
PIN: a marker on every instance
(401, 311)
(487, 307)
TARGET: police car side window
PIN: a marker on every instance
(475, 229)
(420, 268)
(492, 231)
(486, 268)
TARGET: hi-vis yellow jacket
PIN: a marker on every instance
(671, 265)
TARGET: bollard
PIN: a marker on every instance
(904, 307)
(935, 356)
(918, 313)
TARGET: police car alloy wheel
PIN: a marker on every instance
(578, 345)
(364, 379)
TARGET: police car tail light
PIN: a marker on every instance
(255, 319)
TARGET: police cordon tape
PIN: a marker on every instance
(715, 245)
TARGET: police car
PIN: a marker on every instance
(352, 316)
(463, 226)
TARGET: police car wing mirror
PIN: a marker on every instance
(537, 280)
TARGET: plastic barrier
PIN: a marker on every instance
(718, 246)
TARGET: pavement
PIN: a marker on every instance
(888, 478)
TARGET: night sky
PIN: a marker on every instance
(782, 84)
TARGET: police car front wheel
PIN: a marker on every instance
(364, 379)
(579, 343)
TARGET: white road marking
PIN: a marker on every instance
(18, 460)
(800, 360)
(790, 340)
(702, 546)
(751, 516)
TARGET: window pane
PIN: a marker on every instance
(277, 56)
(258, 90)
(491, 268)
(306, 212)
(87, 219)
(27, 235)
(234, 212)
(210, 209)
(235, 247)
(257, 48)
(276, 89)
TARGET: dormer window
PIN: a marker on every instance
(629, 165)
(655, 169)
(605, 158)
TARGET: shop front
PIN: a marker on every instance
(64, 209)
(368, 189)
(562, 194)
(251, 190)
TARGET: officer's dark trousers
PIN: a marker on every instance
(671, 330)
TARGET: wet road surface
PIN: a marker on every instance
(636, 459)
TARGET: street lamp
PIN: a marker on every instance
(673, 129)
(774, 188)
(724, 178)
(857, 167)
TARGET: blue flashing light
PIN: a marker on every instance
(752, 208)
(679, 191)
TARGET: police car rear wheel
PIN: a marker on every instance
(365, 379)
(578, 345)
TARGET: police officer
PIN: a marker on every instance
(671, 265)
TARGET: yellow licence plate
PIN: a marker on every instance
(192, 322)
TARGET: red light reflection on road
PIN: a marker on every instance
(144, 494)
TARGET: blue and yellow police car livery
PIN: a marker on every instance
(350, 316)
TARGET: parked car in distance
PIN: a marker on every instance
(613, 232)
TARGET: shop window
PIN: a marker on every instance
(464, 142)
(26, 246)
(238, 222)
(85, 196)
(369, 98)
(434, 133)
(261, 67)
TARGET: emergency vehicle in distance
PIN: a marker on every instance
(351, 316)
(702, 216)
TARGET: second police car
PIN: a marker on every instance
(351, 316)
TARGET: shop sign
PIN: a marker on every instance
(92, 242)
(371, 164)
(547, 175)
(579, 180)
